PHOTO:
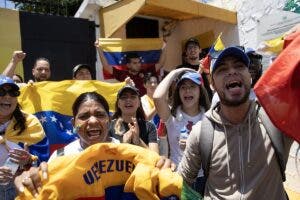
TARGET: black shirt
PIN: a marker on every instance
(147, 131)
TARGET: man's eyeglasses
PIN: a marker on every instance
(11, 92)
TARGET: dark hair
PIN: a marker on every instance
(148, 76)
(78, 67)
(130, 56)
(89, 96)
(203, 100)
(20, 119)
(140, 114)
(39, 59)
(191, 41)
(20, 77)
(255, 56)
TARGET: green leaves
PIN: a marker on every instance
(53, 7)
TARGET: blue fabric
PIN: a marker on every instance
(119, 58)
(7, 192)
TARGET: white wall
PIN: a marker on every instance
(249, 14)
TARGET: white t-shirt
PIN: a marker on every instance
(174, 125)
(74, 148)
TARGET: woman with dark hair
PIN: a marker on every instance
(17, 78)
(189, 103)
(18, 130)
(129, 124)
(90, 121)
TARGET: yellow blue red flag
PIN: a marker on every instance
(213, 51)
(51, 103)
(116, 49)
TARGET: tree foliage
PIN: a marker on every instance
(53, 7)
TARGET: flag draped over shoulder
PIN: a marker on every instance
(51, 103)
(278, 90)
(109, 171)
(215, 48)
(116, 49)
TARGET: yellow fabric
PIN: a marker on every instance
(219, 44)
(292, 194)
(273, 46)
(150, 101)
(123, 45)
(59, 96)
(67, 172)
(10, 38)
(33, 133)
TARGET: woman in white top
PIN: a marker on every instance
(190, 101)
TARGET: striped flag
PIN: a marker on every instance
(116, 49)
(51, 103)
(213, 51)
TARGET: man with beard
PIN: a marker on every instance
(192, 51)
(41, 70)
(242, 162)
(134, 70)
(255, 69)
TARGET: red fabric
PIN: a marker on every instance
(278, 90)
(161, 131)
(206, 63)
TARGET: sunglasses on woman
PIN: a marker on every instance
(11, 92)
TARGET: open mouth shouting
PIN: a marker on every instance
(5, 105)
(94, 134)
(188, 98)
(234, 87)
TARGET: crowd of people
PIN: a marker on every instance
(207, 123)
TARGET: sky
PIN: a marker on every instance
(9, 4)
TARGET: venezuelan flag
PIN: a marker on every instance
(51, 103)
(116, 49)
(213, 51)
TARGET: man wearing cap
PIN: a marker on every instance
(192, 51)
(243, 162)
(82, 72)
(255, 69)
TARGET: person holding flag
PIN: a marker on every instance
(22, 138)
(133, 68)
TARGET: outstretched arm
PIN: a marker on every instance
(162, 58)
(108, 68)
(17, 57)
(161, 93)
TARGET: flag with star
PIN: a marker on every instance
(116, 49)
(51, 102)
